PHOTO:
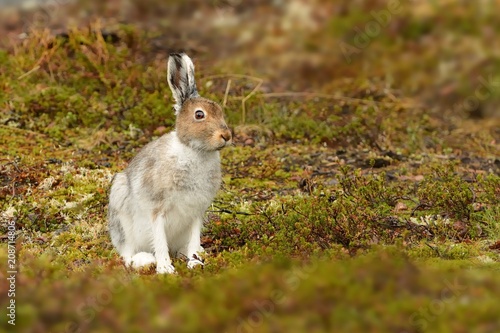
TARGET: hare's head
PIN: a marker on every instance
(200, 122)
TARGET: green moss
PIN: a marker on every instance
(352, 207)
(347, 293)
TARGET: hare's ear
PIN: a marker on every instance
(181, 79)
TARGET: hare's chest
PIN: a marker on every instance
(197, 176)
(195, 186)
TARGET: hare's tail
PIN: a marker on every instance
(117, 210)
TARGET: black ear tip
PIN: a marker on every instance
(177, 54)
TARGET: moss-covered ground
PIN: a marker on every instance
(362, 193)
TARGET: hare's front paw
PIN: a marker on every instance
(165, 269)
(192, 263)
(142, 259)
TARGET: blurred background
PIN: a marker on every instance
(445, 54)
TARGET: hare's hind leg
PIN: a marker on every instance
(120, 219)
(123, 244)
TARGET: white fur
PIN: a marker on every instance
(194, 262)
(186, 86)
(142, 259)
(190, 69)
(176, 230)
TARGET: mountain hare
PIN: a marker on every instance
(156, 205)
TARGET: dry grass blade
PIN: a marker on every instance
(245, 98)
(34, 69)
(228, 86)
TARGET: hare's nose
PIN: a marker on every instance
(226, 136)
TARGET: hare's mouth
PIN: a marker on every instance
(224, 145)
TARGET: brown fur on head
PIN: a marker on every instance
(200, 122)
(208, 133)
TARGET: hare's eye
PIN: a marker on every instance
(198, 114)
